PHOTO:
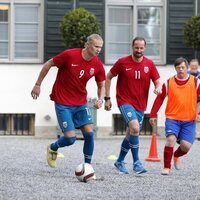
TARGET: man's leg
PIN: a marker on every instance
(61, 142)
(134, 119)
(168, 153)
(83, 119)
(64, 117)
(119, 164)
(177, 154)
(186, 138)
(88, 147)
(124, 147)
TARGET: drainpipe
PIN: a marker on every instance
(196, 7)
(74, 5)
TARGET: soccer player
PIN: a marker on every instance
(182, 91)
(75, 68)
(134, 73)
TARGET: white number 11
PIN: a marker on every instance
(137, 74)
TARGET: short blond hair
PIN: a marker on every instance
(94, 36)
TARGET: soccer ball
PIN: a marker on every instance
(85, 172)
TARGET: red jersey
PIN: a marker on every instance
(134, 81)
(73, 74)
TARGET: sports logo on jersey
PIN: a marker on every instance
(146, 69)
(129, 114)
(74, 65)
(91, 71)
(65, 124)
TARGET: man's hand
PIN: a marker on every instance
(158, 90)
(35, 91)
(98, 103)
(108, 105)
(153, 122)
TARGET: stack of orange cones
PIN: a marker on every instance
(153, 154)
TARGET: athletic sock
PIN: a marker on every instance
(134, 145)
(168, 153)
(124, 150)
(88, 146)
(62, 142)
(179, 152)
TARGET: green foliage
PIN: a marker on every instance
(191, 32)
(76, 25)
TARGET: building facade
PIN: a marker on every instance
(29, 36)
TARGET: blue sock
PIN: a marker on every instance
(88, 146)
(134, 145)
(62, 142)
(124, 150)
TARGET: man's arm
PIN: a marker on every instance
(100, 94)
(108, 103)
(156, 106)
(100, 89)
(45, 69)
(158, 86)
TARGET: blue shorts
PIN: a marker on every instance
(130, 113)
(72, 117)
(183, 130)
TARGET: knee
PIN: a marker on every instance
(70, 140)
(171, 140)
(134, 131)
(133, 128)
(185, 147)
(88, 136)
(87, 128)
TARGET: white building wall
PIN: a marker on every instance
(17, 80)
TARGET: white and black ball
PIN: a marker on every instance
(84, 172)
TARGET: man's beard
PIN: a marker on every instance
(138, 55)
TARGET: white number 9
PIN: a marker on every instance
(81, 73)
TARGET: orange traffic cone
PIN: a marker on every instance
(153, 154)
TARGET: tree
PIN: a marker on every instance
(191, 32)
(76, 25)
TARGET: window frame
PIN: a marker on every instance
(11, 31)
(135, 4)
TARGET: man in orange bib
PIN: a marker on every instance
(182, 91)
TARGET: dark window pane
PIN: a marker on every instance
(4, 13)
(2, 122)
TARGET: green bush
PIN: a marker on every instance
(191, 32)
(76, 25)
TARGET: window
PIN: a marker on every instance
(21, 37)
(26, 31)
(148, 24)
(120, 29)
(126, 20)
(4, 31)
(17, 124)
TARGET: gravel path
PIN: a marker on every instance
(25, 175)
